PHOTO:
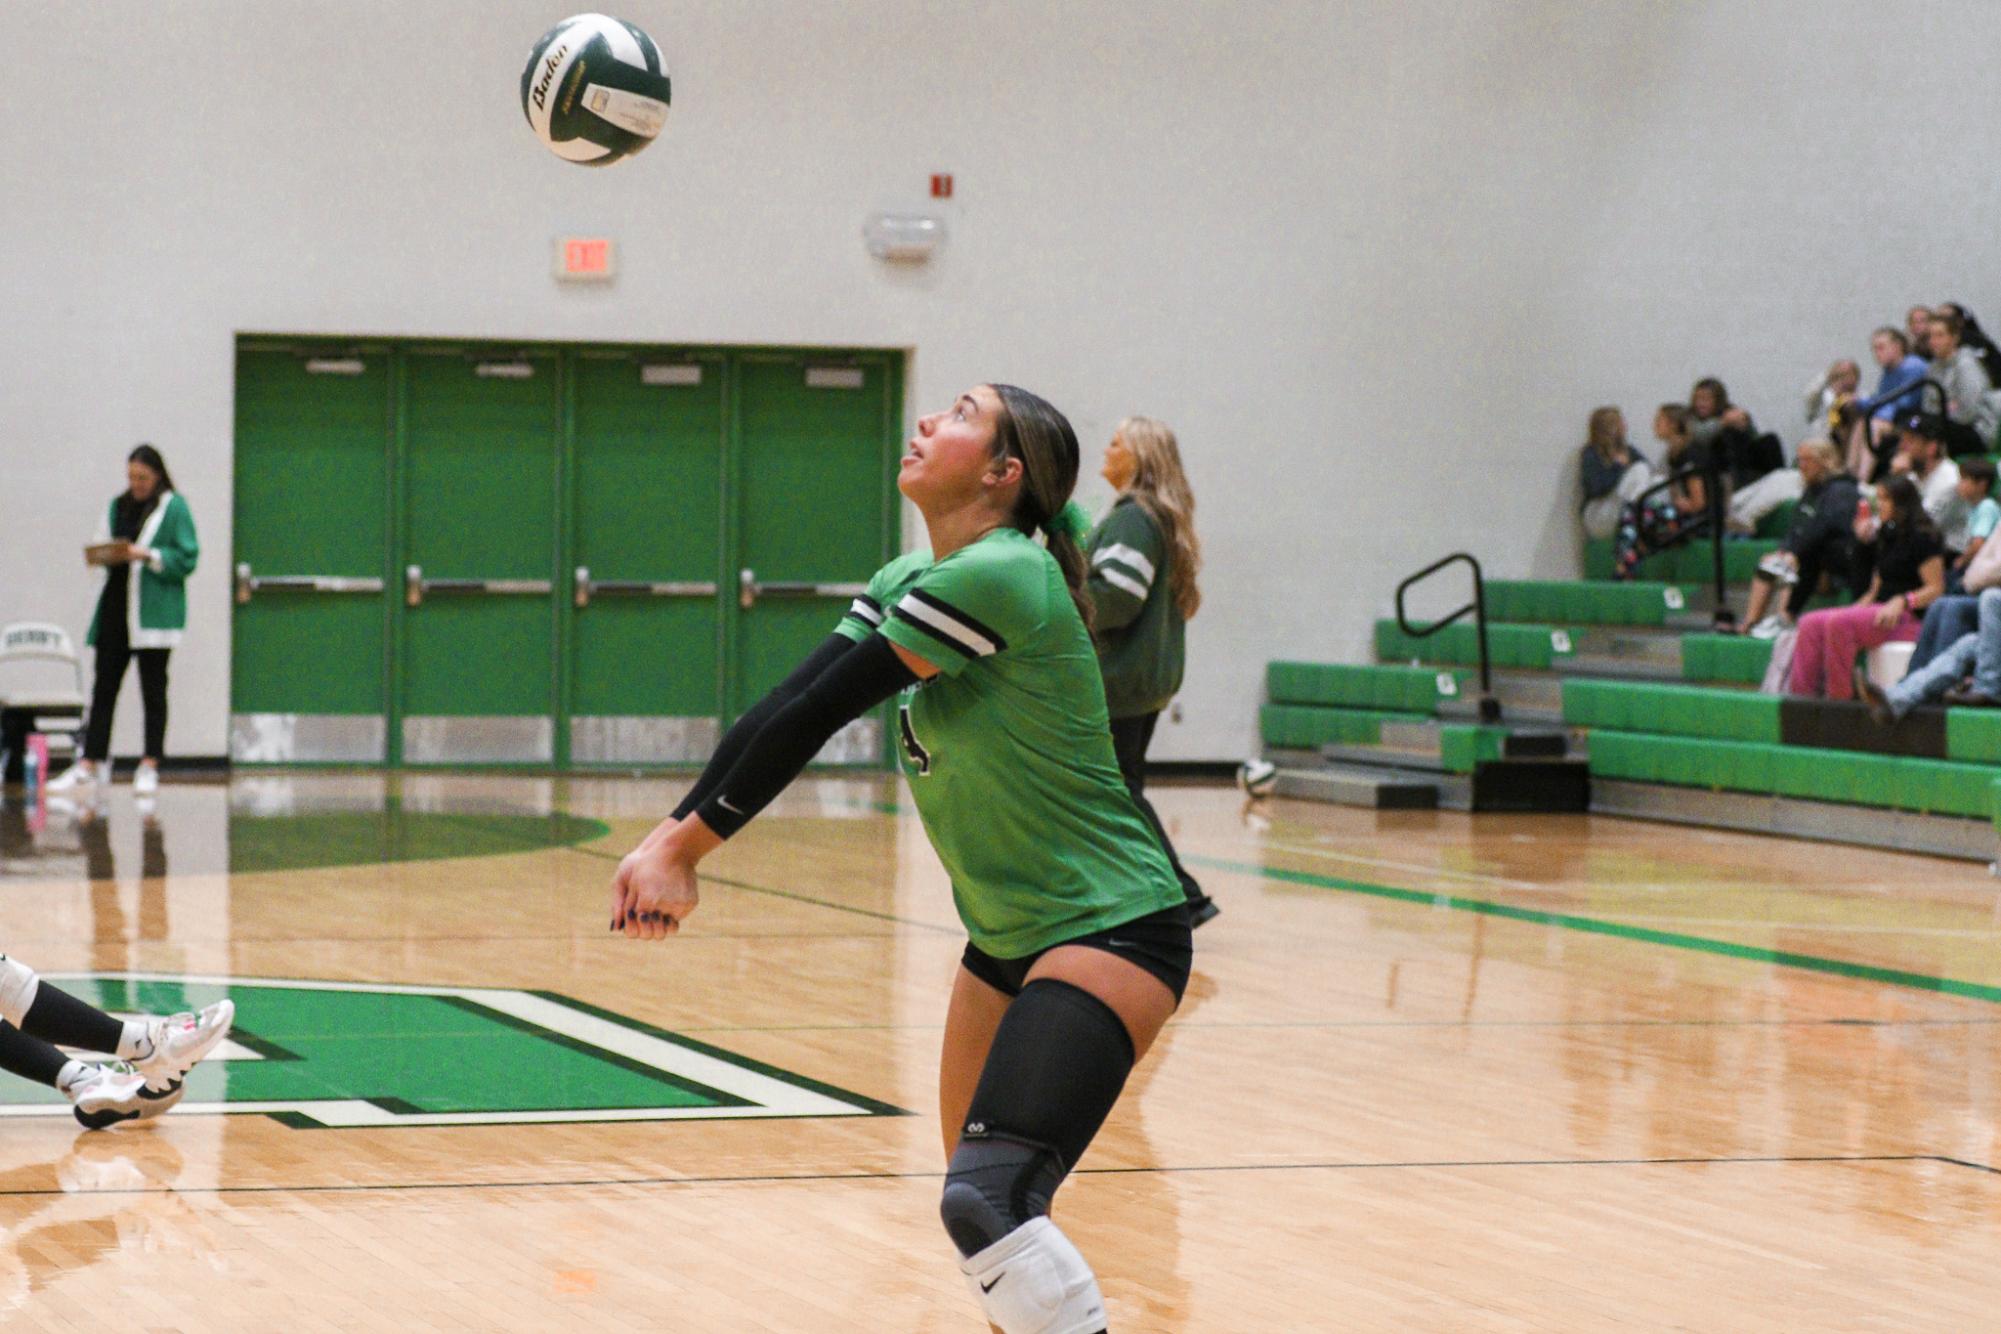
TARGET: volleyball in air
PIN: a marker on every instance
(595, 90)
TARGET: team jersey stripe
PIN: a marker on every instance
(1117, 578)
(948, 625)
(1127, 556)
(936, 633)
(866, 609)
(967, 619)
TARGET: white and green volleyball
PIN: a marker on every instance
(595, 90)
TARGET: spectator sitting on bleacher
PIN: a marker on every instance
(1668, 516)
(1970, 408)
(1917, 328)
(1954, 615)
(1708, 400)
(1869, 426)
(1975, 337)
(1983, 514)
(1966, 675)
(1820, 541)
(1750, 504)
(1922, 455)
(1909, 575)
(1745, 455)
(1614, 472)
(1839, 382)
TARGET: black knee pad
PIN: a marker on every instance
(1058, 1062)
(994, 1185)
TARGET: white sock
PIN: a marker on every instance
(135, 1043)
(69, 1074)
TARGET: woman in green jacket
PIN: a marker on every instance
(1144, 558)
(140, 614)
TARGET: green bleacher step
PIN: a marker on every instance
(1306, 727)
(1691, 564)
(1522, 647)
(1896, 782)
(1392, 689)
(1738, 658)
(1600, 602)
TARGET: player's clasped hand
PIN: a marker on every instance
(653, 890)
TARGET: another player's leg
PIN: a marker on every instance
(1130, 739)
(103, 1094)
(1056, 1066)
(162, 1049)
(175, 1044)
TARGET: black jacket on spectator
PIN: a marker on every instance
(1746, 455)
(1822, 538)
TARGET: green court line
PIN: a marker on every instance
(1867, 972)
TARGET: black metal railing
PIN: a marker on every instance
(1711, 522)
(1490, 708)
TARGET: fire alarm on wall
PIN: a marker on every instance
(941, 185)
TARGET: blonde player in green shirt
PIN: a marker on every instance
(1144, 557)
(1079, 944)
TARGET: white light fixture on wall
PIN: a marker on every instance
(903, 238)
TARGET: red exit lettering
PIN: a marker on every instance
(586, 256)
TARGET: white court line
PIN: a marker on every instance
(349, 1113)
(767, 1096)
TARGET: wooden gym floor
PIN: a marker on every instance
(1434, 1073)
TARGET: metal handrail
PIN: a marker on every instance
(1723, 618)
(1489, 707)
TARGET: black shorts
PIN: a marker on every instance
(1159, 942)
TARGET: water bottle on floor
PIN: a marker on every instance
(35, 763)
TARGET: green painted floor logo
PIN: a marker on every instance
(351, 1054)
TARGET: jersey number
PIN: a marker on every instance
(920, 758)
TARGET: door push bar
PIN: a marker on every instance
(249, 584)
(416, 587)
(749, 590)
(588, 588)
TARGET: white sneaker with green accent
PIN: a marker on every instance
(112, 1092)
(179, 1042)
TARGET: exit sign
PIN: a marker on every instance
(585, 259)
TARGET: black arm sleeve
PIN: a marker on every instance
(851, 686)
(831, 649)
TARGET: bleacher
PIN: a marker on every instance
(1629, 680)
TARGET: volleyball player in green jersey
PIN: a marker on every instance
(1144, 557)
(1079, 943)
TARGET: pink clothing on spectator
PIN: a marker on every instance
(1829, 641)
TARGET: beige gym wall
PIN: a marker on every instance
(1375, 261)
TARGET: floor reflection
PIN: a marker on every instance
(262, 824)
(108, 1194)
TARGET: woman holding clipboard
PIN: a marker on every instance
(148, 551)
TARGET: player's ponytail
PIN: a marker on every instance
(1040, 436)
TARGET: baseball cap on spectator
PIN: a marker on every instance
(1924, 425)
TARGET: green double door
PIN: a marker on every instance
(550, 556)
